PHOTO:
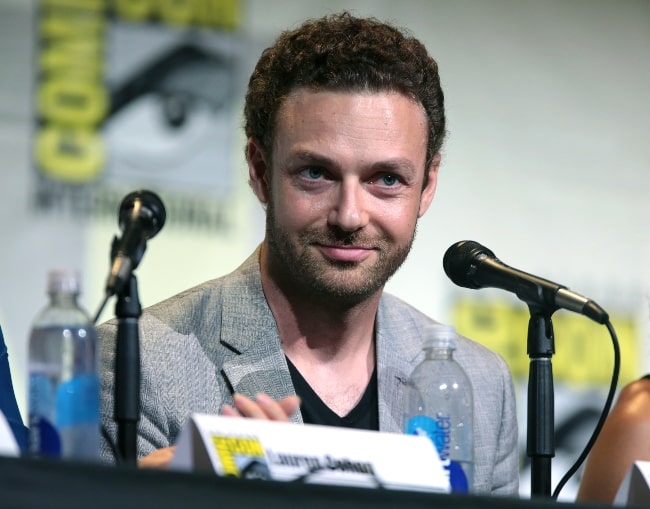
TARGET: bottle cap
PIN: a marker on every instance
(439, 336)
(63, 281)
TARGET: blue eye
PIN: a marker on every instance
(389, 180)
(312, 173)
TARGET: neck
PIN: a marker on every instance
(322, 330)
(329, 341)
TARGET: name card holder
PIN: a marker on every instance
(280, 451)
(8, 444)
(635, 488)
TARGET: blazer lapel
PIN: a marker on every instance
(397, 354)
(248, 329)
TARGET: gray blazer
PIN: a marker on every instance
(220, 337)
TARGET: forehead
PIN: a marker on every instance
(389, 121)
(306, 102)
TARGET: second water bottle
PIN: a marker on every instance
(439, 405)
(63, 376)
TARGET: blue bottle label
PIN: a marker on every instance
(44, 439)
(439, 432)
(58, 413)
(77, 401)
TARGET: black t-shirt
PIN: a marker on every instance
(365, 415)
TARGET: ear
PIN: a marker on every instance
(258, 170)
(430, 190)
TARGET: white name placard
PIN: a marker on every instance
(280, 451)
(635, 488)
(8, 444)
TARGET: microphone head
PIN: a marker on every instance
(145, 206)
(461, 262)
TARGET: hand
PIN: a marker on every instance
(160, 458)
(264, 407)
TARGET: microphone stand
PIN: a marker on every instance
(540, 445)
(127, 371)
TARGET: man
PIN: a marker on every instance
(345, 121)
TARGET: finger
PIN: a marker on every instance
(248, 408)
(160, 458)
(290, 405)
(229, 411)
(273, 409)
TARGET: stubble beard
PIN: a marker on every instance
(302, 271)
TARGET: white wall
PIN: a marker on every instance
(547, 161)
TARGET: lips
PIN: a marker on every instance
(345, 253)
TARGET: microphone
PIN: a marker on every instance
(141, 216)
(471, 265)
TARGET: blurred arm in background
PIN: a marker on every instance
(624, 439)
(8, 404)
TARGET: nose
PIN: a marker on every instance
(349, 211)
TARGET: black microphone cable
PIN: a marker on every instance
(603, 415)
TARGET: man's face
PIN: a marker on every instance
(343, 191)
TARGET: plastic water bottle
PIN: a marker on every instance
(439, 404)
(63, 376)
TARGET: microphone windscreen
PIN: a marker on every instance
(150, 210)
(460, 262)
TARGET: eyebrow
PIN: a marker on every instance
(312, 157)
(394, 165)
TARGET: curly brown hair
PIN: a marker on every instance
(341, 52)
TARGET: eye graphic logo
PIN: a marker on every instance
(241, 456)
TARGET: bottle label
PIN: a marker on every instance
(77, 401)
(439, 432)
(59, 415)
(44, 439)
